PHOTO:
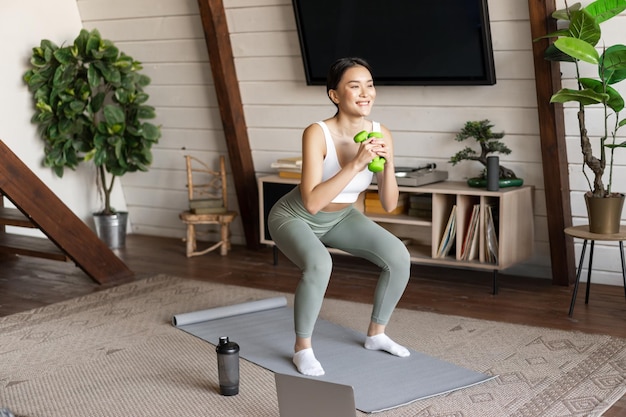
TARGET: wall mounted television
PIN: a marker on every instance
(407, 42)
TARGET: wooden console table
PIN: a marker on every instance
(582, 232)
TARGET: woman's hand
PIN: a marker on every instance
(368, 150)
(380, 148)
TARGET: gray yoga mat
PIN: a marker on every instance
(264, 331)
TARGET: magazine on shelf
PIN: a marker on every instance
(447, 240)
(469, 251)
(491, 239)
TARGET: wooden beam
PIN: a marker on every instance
(217, 39)
(553, 147)
(69, 233)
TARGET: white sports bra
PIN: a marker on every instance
(331, 167)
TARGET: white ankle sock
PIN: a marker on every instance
(383, 342)
(307, 364)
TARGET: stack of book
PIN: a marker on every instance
(421, 205)
(288, 167)
(207, 206)
(374, 206)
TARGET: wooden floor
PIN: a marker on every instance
(27, 283)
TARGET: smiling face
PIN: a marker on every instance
(355, 92)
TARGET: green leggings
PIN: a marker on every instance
(303, 238)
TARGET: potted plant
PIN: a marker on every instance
(489, 142)
(90, 105)
(576, 43)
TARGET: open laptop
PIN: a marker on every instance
(305, 397)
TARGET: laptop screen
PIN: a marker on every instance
(299, 396)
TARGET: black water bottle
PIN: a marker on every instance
(228, 366)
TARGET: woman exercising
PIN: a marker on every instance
(319, 212)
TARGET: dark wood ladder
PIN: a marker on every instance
(68, 237)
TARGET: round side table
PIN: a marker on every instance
(582, 232)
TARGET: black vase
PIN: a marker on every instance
(493, 173)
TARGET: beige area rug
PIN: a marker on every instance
(116, 354)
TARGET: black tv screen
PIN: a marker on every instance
(407, 42)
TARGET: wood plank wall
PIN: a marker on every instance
(166, 35)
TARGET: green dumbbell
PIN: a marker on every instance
(378, 163)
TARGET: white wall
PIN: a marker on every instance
(23, 24)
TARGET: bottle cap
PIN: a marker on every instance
(226, 346)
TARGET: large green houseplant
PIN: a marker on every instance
(579, 41)
(90, 105)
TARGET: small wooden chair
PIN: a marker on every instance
(208, 204)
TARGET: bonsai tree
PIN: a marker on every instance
(489, 142)
(90, 106)
(576, 43)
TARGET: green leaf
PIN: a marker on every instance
(122, 96)
(603, 10)
(97, 101)
(119, 150)
(615, 101)
(92, 46)
(141, 98)
(613, 98)
(563, 14)
(613, 146)
(113, 114)
(80, 43)
(77, 106)
(109, 51)
(48, 44)
(109, 72)
(93, 76)
(143, 80)
(83, 90)
(585, 97)
(583, 26)
(552, 53)
(124, 63)
(613, 64)
(146, 112)
(89, 155)
(43, 107)
(64, 55)
(35, 81)
(150, 132)
(58, 79)
(578, 49)
(561, 32)
(38, 60)
(48, 50)
(65, 126)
